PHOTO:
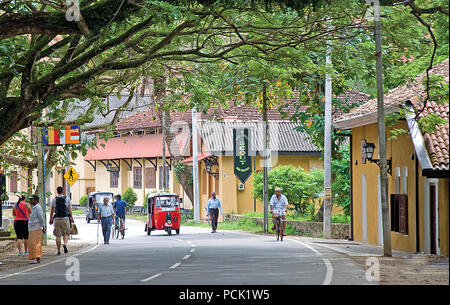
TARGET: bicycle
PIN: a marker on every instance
(120, 227)
(279, 228)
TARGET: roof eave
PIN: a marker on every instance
(362, 120)
(417, 139)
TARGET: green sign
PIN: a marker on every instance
(242, 160)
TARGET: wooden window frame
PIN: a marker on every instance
(150, 172)
(399, 213)
(114, 179)
(137, 183)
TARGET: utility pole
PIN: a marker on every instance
(163, 172)
(327, 204)
(41, 182)
(382, 134)
(67, 184)
(266, 161)
(195, 166)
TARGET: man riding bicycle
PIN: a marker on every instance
(278, 205)
(120, 207)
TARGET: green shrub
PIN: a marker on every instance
(299, 186)
(84, 201)
(130, 197)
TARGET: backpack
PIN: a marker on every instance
(61, 208)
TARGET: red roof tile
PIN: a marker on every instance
(437, 143)
(146, 146)
(413, 91)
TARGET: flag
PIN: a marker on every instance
(69, 135)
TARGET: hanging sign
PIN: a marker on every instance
(241, 149)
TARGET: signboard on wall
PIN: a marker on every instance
(70, 134)
(241, 154)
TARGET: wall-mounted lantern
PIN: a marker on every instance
(369, 148)
(209, 163)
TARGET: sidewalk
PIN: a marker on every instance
(9, 258)
(403, 268)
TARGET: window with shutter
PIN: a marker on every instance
(150, 178)
(399, 213)
(403, 214)
(114, 178)
(137, 177)
(394, 212)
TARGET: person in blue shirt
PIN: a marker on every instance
(120, 207)
(213, 210)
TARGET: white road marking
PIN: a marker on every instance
(46, 264)
(174, 266)
(186, 256)
(192, 250)
(151, 277)
(329, 275)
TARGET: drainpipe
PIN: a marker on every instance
(416, 178)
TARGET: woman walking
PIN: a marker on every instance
(36, 228)
(20, 212)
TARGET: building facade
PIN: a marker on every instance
(418, 185)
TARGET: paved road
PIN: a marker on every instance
(194, 257)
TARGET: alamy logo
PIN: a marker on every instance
(376, 9)
(73, 10)
(373, 270)
(73, 272)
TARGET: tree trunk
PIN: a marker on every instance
(159, 92)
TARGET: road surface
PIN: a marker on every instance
(194, 257)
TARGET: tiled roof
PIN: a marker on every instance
(413, 91)
(148, 118)
(218, 137)
(437, 143)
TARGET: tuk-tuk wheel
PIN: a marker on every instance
(169, 232)
(178, 231)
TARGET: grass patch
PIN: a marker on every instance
(336, 218)
(137, 217)
(244, 224)
(78, 212)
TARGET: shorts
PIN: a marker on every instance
(61, 227)
(21, 228)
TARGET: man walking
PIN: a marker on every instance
(106, 213)
(213, 210)
(61, 216)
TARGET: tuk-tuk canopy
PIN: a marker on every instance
(165, 200)
(99, 196)
(162, 194)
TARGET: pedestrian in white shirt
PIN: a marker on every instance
(213, 210)
(106, 215)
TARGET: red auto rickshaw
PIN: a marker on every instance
(163, 213)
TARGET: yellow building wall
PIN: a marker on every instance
(443, 202)
(241, 202)
(402, 152)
